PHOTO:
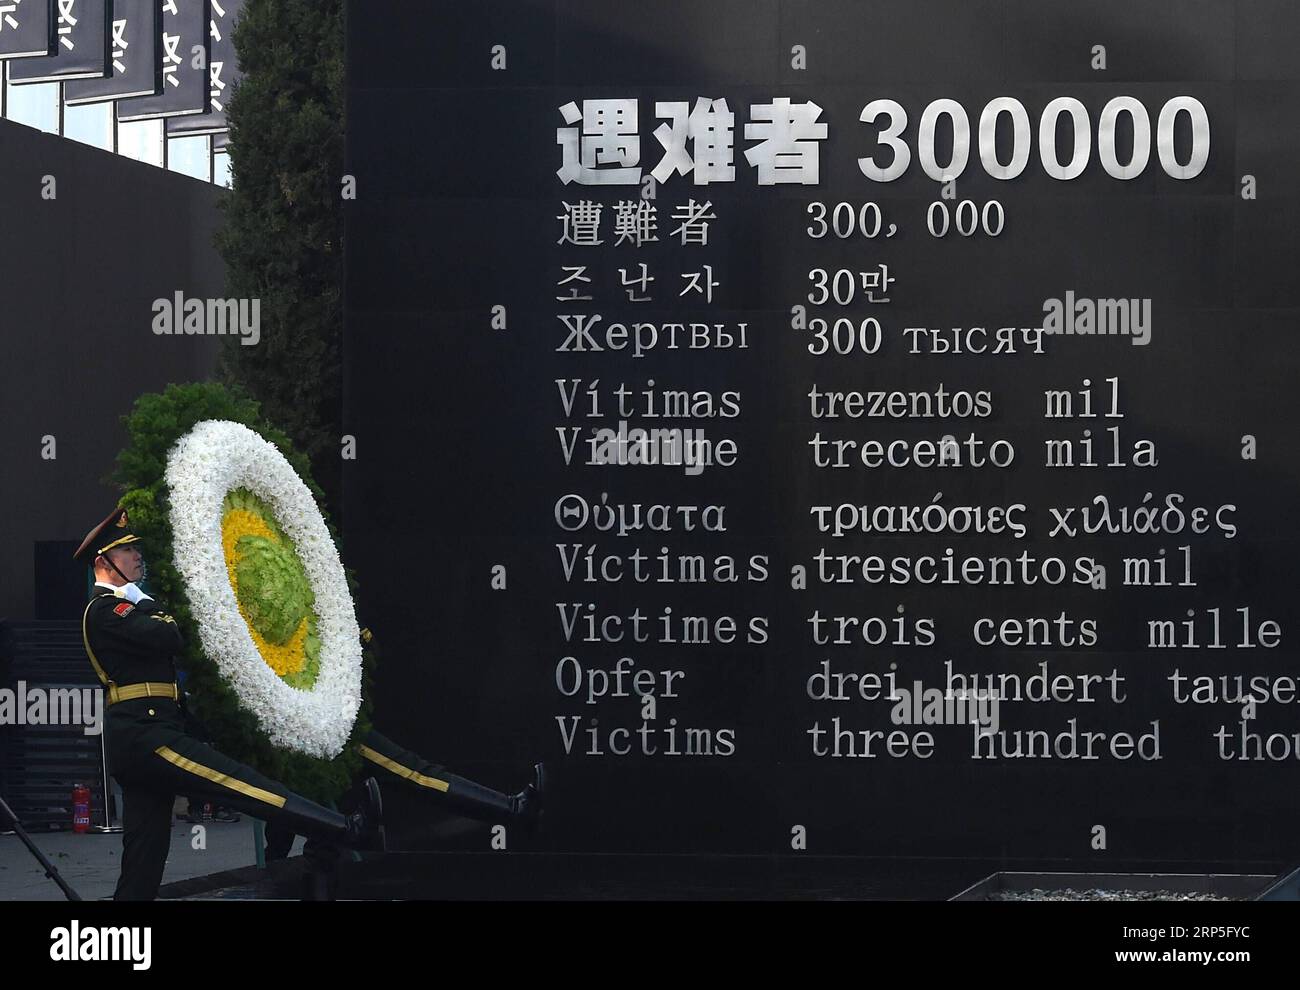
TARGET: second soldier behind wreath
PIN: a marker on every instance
(132, 642)
(447, 791)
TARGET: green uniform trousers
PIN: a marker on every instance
(154, 759)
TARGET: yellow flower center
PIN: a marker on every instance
(285, 658)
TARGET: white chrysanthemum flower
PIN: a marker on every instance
(214, 459)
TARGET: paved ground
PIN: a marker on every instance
(90, 863)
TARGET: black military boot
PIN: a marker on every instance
(528, 802)
(476, 801)
(363, 829)
(366, 824)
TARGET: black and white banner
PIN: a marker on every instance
(185, 56)
(81, 34)
(135, 44)
(223, 72)
(25, 28)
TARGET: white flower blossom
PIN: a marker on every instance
(215, 457)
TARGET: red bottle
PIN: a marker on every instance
(81, 808)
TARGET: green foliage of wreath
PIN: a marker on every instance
(155, 423)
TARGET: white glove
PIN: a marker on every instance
(132, 593)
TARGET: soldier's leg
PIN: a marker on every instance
(184, 764)
(146, 837)
(279, 840)
(456, 793)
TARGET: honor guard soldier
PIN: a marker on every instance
(457, 794)
(131, 643)
(453, 793)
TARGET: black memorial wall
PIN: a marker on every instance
(498, 550)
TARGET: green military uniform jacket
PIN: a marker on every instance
(130, 646)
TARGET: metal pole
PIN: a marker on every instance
(108, 826)
(7, 815)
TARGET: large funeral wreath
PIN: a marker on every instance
(240, 548)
